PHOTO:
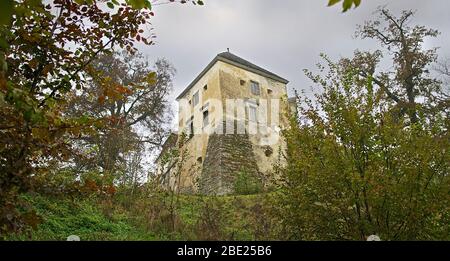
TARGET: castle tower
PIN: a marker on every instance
(230, 118)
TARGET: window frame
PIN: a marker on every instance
(205, 118)
(190, 127)
(252, 90)
(196, 98)
(251, 107)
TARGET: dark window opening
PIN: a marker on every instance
(191, 129)
(205, 87)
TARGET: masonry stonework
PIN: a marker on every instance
(209, 162)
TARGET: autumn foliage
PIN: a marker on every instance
(46, 50)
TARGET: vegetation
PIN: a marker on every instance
(50, 56)
(80, 107)
(346, 4)
(370, 156)
(247, 184)
(145, 217)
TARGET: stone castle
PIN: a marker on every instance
(230, 118)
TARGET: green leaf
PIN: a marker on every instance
(139, 4)
(84, 119)
(110, 5)
(151, 78)
(347, 5)
(6, 11)
(84, 2)
(148, 4)
(333, 2)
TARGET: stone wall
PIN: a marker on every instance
(226, 156)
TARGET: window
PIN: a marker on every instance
(252, 113)
(242, 82)
(205, 118)
(254, 88)
(205, 87)
(195, 98)
(190, 127)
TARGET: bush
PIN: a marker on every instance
(247, 184)
(85, 218)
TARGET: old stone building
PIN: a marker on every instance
(230, 118)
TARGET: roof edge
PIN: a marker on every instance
(225, 60)
(273, 77)
(199, 76)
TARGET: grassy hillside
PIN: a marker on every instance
(63, 217)
(157, 217)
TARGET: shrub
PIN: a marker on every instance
(247, 184)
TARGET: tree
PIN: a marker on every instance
(442, 98)
(46, 49)
(354, 170)
(408, 78)
(370, 154)
(133, 112)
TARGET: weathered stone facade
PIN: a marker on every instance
(226, 156)
(209, 160)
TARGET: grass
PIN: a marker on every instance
(63, 217)
(197, 218)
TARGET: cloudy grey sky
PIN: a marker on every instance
(284, 36)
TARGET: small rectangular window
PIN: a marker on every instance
(190, 127)
(205, 118)
(254, 88)
(252, 113)
(195, 98)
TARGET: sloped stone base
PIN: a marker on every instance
(227, 155)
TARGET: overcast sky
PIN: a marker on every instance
(284, 37)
